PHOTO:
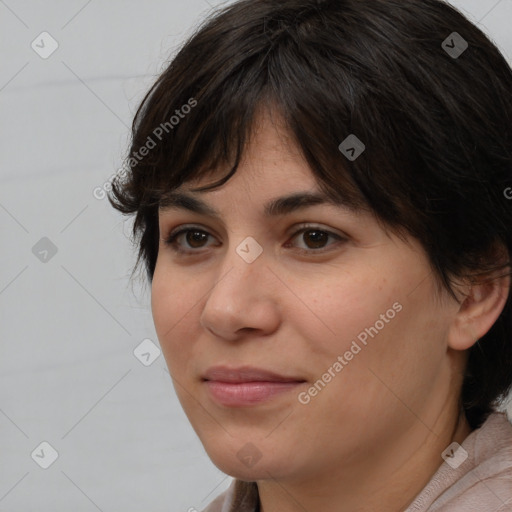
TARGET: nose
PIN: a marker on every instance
(242, 298)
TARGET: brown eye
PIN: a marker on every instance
(315, 239)
(194, 239)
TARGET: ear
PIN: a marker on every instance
(483, 301)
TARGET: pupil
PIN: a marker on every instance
(318, 239)
(195, 236)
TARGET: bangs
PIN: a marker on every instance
(214, 134)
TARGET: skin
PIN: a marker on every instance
(373, 437)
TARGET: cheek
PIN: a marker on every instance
(396, 358)
(375, 324)
(172, 305)
(341, 310)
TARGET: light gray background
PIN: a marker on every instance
(70, 325)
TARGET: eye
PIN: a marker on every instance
(315, 239)
(195, 238)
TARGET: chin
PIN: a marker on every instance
(246, 474)
(247, 463)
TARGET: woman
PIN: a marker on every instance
(335, 311)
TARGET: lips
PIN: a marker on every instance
(246, 374)
(246, 386)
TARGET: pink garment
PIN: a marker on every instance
(481, 483)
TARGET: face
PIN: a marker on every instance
(346, 318)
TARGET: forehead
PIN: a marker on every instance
(272, 167)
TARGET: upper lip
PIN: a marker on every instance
(246, 374)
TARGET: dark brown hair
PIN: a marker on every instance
(436, 126)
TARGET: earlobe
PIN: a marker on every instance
(479, 311)
(462, 334)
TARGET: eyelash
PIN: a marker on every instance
(171, 239)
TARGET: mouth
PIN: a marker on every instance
(247, 386)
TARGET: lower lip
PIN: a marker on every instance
(247, 393)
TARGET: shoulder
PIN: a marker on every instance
(240, 497)
(479, 477)
(221, 502)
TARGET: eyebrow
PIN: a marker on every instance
(274, 208)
